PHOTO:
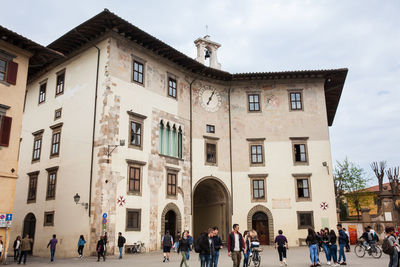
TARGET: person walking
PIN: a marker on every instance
(207, 248)
(333, 247)
(218, 245)
(190, 245)
(184, 247)
(105, 240)
(1, 248)
(167, 242)
(342, 244)
(176, 241)
(121, 243)
(17, 247)
(394, 244)
(26, 245)
(81, 245)
(236, 245)
(52, 244)
(101, 247)
(348, 240)
(246, 251)
(282, 245)
(325, 245)
(312, 243)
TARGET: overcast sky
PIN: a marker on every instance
(363, 36)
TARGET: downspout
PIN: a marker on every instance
(230, 143)
(191, 148)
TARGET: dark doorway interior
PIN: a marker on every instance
(170, 223)
(260, 224)
(29, 227)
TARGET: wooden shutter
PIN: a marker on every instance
(5, 130)
(12, 72)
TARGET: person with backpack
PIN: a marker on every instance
(342, 244)
(184, 247)
(167, 242)
(390, 246)
(282, 245)
(333, 247)
(236, 245)
(17, 247)
(348, 240)
(312, 242)
(372, 239)
(205, 246)
(218, 245)
(26, 246)
(52, 244)
(121, 243)
(81, 245)
(101, 248)
(325, 245)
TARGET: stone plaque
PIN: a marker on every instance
(388, 216)
(281, 203)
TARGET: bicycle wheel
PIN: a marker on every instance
(377, 252)
(258, 260)
(359, 250)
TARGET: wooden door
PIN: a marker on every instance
(260, 224)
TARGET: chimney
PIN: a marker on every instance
(207, 49)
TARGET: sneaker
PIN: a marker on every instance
(167, 259)
(251, 254)
(280, 264)
(285, 262)
(329, 263)
(318, 264)
(343, 263)
(164, 259)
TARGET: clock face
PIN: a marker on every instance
(209, 98)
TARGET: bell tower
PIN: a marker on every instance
(207, 49)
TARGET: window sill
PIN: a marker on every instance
(31, 201)
(170, 157)
(132, 229)
(54, 156)
(257, 164)
(135, 147)
(175, 197)
(35, 161)
(211, 164)
(50, 198)
(5, 83)
(300, 163)
(138, 194)
(258, 200)
(303, 199)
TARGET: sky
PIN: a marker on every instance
(270, 35)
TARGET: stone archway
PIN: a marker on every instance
(171, 207)
(267, 212)
(29, 227)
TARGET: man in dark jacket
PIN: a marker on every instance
(207, 248)
(342, 244)
(218, 245)
(235, 245)
(167, 242)
(101, 247)
(121, 242)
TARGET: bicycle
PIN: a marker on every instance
(256, 257)
(374, 251)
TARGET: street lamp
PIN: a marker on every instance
(121, 143)
(77, 197)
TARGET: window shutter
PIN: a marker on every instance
(5, 130)
(12, 72)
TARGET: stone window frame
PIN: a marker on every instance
(213, 141)
(135, 164)
(302, 176)
(305, 226)
(56, 130)
(38, 135)
(51, 171)
(174, 171)
(300, 141)
(55, 113)
(139, 119)
(42, 83)
(293, 91)
(143, 63)
(256, 142)
(46, 213)
(259, 93)
(129, 229)
(6, 69)
(253, 177)
(59, 73)
(174, 78)
(7, 57)
(210, 128)
(32, 175)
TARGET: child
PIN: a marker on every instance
(282, 244)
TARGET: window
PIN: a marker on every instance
(55, 144)
(136, 134)
(37, 146)
(170, 143)
(8, 68)
(296, 102)
(51, 183)
(180, 143)
(258, 189)
(172, 87)
(299, 147)
(42, 92)
(5, 127)
(3, 69)
(32, 187)
(303, 188)
(48, 218)
(138, 72)
(134, 179)
(210, 128)
(211, 153)
(57, 113)
(254, 102)
(133, 219)
(256, 151)
(305, 219)
(256, 154)
(60, 83)
(171, 184)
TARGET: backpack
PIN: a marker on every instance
(197, 247)
(386, 247)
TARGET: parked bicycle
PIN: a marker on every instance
(255, 257)
(137, 247)
(374, 250)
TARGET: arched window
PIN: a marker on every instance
(161, 133)
(168, 141)
(174, 142)
(180, 143)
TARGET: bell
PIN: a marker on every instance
(208, 54)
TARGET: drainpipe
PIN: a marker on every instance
(191, 148)
(230, 143)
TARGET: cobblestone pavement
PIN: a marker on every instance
(296, 257)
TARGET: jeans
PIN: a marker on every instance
(188, 255)
(246, 256)
(314, 253)
(327, 252)
(282, 253)
(333, 252)
(205, 260)
(214, 261)
(23, 254)
(80, 250)
(341, 252)
(394, 259)
(16, 254)
(52, 252)
(120, 252)
(183, 261)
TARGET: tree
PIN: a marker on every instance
(350, 180)
(394, 180)
(379, 170)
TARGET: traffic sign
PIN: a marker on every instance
(104, 221)
(9, 217)
(104, 215)
(3, 222)
(104, 226)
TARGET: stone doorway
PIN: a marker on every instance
(29, 227)
(170, 224)
(211, 207)
(171, 220)
(260, 224)
(260, 219)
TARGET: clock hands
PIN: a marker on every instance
(209, 99)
